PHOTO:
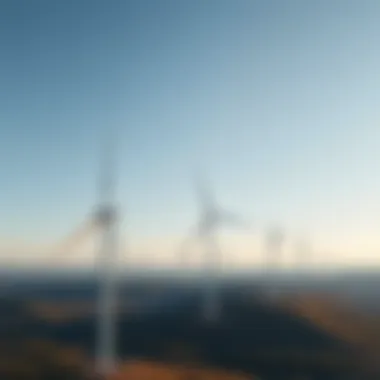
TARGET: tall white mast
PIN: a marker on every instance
(107, 274)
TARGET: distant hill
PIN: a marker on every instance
(148, 370)
(24, 355)
(275, 341)
(252, 337)
(357, 328)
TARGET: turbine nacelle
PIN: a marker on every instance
(105, 215)
(212, 216)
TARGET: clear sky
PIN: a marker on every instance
(277, 99)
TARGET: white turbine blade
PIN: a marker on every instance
(74, 240)
(107, 174)
(97, 222)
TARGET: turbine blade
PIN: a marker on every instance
(75, 239)
(108, 169)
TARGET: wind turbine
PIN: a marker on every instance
(103, 221)
(212, 217)
(107, 218)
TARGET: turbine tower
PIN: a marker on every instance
(104, 221)
(211, 218)
(106, 216)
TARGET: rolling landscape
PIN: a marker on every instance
(293, 331)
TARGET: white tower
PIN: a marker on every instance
(107, 264)
(105, 222)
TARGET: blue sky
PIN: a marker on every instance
(278, 100)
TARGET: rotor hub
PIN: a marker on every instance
(106, 215)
